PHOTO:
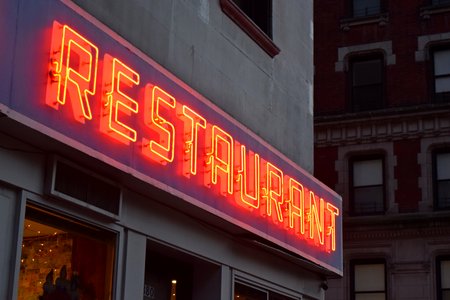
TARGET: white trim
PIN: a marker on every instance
(342, 168)
(425, 159)
(424, 40)
(343, 52)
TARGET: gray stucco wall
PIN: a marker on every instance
(198, 43)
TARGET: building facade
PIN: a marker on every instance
(156, 150)
(382, 141)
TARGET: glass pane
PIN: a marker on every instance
(367, 200)
(276, 296)
(445, 274)
(367, 172)
(444, 194)
(365, 7)
(443, 166)
(367, 72)
(62, 260)
(369, 277)
(442, 62)
(245, 292)
(368, 97)
(442, 84)
(375, 296)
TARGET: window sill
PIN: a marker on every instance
(427, 11)
(249, 27)
(380, 19)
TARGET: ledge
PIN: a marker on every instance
(427, 11)
(380, 19)
(249, 27)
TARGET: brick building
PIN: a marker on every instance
(136, 160)
(382, 141)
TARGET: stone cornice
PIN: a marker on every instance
(382, 126)
(399, 226)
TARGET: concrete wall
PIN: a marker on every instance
(143, 218)
(198, 43)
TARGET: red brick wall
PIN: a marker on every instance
(407, 80)
(324, 160)
(406, 172)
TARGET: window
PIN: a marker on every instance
(364, 8)
(64, 259)
(171, 274)
(443, 278)
(367, 83)
(255, 18)
(244, 291)
(440, 2)
(442, 179)
(368, 280)
(441, 75)
(367, 185)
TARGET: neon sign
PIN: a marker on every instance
(177, 138)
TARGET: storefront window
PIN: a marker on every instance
(247, 292)
(64, 259)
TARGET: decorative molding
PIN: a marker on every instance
(387, 234)
(428, 225)
(423, 42)
(380, 19)
(342, 169)
(427, 11)
(364, 129)
(343, 52)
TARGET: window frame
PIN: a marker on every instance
(34, 208)
(232, 10)
(272, 290)
(351, 15)
(443, 97)
(440, 3)
(353, 105)
(380, 11)
(373, 261)
(436, 202)
(359, 158)
(439, 289)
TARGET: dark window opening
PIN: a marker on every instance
(440, 2)
(254, 17)
(367, 84)
(259, 11)
(83, 186)
(365, 8)
(171, 274)
(244, 291)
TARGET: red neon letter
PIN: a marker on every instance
(316, 217)
(248, 177)
(296, 206)
(73, 71)
(274, 193)
(333, 212)
(162, 150)
(193, 122)
(117, 76)
(221, 159)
